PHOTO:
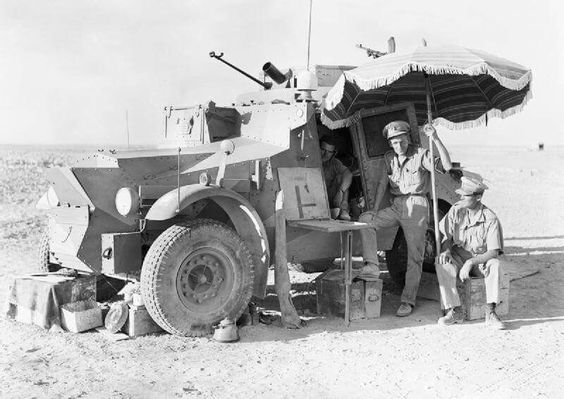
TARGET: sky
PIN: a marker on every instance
(71, 70)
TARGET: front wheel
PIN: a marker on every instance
(196, 274)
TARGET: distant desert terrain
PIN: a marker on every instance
(393, 357)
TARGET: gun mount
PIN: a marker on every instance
(375, 53)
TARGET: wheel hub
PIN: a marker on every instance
(201, 275)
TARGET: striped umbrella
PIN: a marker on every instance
(466, 87)
(448, 85)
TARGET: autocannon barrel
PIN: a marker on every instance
(275, 74)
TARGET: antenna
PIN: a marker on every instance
(127, 127)
(309, 33)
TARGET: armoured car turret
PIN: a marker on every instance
(193, 219)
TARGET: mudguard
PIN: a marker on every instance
(244, 217)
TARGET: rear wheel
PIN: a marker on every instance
(196, 274)
(43, 263)
(317, 265)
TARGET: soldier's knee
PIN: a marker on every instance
(442, 267)
(494, 265)
(446, 268)
(366, 217)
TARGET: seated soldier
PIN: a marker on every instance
(472, 242)
(338, 178)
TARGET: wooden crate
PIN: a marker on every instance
(81, 316)
(37, 298)
(429, 287)
(473, 297)
(140, 322)
(472, 294)
(372, 298)
(366, 296)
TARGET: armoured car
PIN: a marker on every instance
(193, 218)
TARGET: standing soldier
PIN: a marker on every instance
(408, 176)
(472, 242)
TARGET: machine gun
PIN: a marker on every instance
(375, 53)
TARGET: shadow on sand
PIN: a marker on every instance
(304, 298)
(535, 297)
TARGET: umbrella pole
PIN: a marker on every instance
(433, 184)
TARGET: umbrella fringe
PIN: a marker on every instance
(335, 94)
(475, 70)
(340, 123)
(494, 113)
(482, 120)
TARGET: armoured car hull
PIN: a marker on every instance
(193, 220)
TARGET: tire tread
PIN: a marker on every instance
(151, 283)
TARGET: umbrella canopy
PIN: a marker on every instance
(466, 87)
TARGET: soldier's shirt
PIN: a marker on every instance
(474, 234)
(332, 169)
(411, 175)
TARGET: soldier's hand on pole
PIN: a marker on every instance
(445, 257)
(430, 131)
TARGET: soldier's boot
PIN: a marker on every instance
(453, 316)
(492, 319)
(404, 309)
(344, 215)
(370, 271)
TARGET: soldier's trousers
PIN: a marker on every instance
(411, 212)
(447, 274)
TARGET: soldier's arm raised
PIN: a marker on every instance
(431, 132)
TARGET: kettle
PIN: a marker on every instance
(226, 331)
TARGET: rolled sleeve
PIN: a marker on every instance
(445, 225)
(493, 236)
(428, 163)
(340, 168)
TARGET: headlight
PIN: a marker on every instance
(52, 197)
(127, 201)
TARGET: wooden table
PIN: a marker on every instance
(337, 226)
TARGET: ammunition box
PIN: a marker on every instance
(366, 296)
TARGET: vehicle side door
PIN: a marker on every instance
(370, 147)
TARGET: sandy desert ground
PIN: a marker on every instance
(386, 357)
